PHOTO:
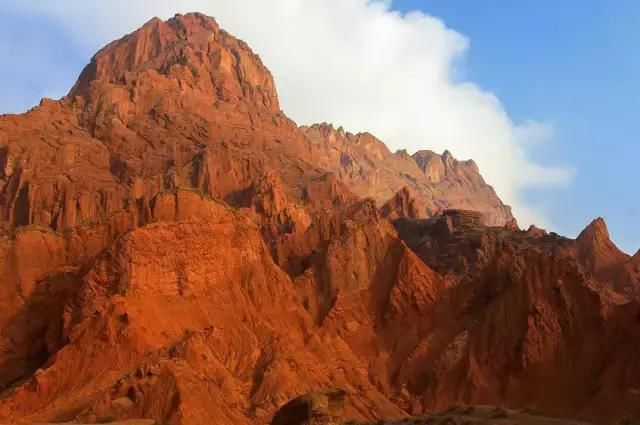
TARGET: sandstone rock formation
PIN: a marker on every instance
(440, 182)
(318, 408)
(599, 256)
(175, 249)
(405, 203)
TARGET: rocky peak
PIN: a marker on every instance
(464, 218)
(438, 167)
(596, 231)
(536, 232)
(431, 164)
(404, 204)
(627, 279)
(595, 249)
(595, 240)
(191, 49)
(269, 196)
(448, 159)
(512, 225)
(471, 164)
(341, 139)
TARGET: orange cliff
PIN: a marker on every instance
(176, 249)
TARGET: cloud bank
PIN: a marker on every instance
(359, 64)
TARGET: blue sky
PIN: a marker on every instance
(575, 64)
(572, 64)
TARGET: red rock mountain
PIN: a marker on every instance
(369, 169)
(174, 248)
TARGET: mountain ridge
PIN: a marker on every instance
(175, 248)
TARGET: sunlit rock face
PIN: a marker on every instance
(175, 249)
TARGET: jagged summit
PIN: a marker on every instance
(191, 49)
(596, 231)
(594, 242)
(601, 257)
(438, 167)
(438, 182)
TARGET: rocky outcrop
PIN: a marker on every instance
(536, 232)
(190, 49)
(369, 169)
(512, 224)
(319, 408)
(601, 257)
(627, 280)
(595, 250)
(404, 204)
(464, 219)
(431, 165)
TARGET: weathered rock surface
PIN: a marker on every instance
(526, 293)
(600, 257)
(440, 182)
(319, 408)
(175, 249)
(405, 203)
(326, 407)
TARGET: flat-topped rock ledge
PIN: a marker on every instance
(464, 218)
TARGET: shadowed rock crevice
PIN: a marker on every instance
(35, 332)
(319, 408)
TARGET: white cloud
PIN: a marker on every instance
(531, 133)
(357, 64)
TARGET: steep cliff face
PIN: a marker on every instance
(174, 248)
(628, 279)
